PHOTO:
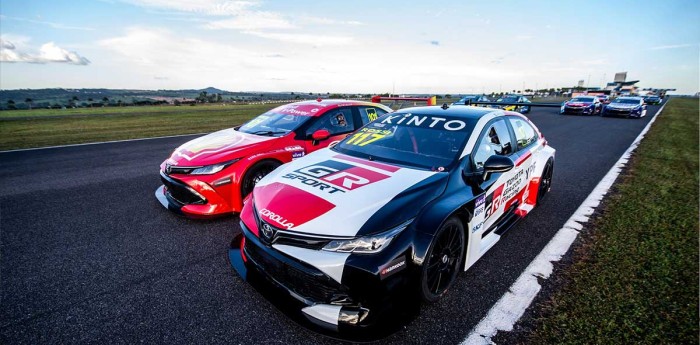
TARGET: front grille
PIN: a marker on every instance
(619, 111)
(307, 282)
(181, 192)
(299, 240)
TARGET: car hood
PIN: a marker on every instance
(327, 193)
(218, 147)
(623, 106)
(579, 104)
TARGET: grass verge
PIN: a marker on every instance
(634, 277)
(104, 124)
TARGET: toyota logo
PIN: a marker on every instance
(168, 169)
(267, 231)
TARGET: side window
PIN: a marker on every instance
(336, 121)
(524, 133)
(369, 114)
(496, 141)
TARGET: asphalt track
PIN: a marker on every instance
(87, 254)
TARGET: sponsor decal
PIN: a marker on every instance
(479, 213)
(493, 201)
(423, 121)
(276, 218)
(371, 113)
(332, 176)
(395, 266)
(294, 148)
(297, 154)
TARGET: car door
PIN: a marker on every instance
(338, 122)
(495, 139)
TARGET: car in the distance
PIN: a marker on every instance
(625, 106)
(470, 99)
(605, 99)
(523, 109)
(652, 99)
(391, 214)
(210, 175)
(582, 105)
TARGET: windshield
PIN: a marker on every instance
(626, 101)
(582, 99)
(509, 99)
(273, 124)
(422, 141)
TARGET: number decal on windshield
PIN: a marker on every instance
(367, 136)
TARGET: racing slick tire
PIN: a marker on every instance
(255, 174)
(443, 260)
(545, 181)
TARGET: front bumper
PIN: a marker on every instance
(578, 110)
(191, 198)
(362, 306)
(621, 112)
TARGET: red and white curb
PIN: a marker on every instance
(512, 305)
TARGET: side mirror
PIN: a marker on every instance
(321, 134)
(497, 164)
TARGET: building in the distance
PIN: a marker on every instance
(621, 87)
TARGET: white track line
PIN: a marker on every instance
(512, 305)
(100, 142)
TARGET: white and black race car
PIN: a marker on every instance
(392, 212)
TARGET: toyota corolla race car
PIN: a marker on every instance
(524, 109)
(211, 175)
(391, 214)
(626, 106)
(582, 105)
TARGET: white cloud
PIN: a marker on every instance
(675, 46)
(252, 21)
(206, 7)
(310, 39)
(328, 21)
(49, 52)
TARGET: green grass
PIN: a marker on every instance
(634, 277)
(40, 127)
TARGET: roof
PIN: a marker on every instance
(453, 111)
(320, 106)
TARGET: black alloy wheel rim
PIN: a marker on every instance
(444, 260)
(546, 181)
(258, 175)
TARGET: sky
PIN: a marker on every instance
(433, 47)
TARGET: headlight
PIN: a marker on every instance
(367, 244)
(212, 169)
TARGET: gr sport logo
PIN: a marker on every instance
(335, 177)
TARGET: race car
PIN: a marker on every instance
(582, 105)
(469, 99)
(605, 99)
(625, 106)
(388, 217)
(652, 99)
(523, 109)
(210, 175)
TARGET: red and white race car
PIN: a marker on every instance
(210, 175)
